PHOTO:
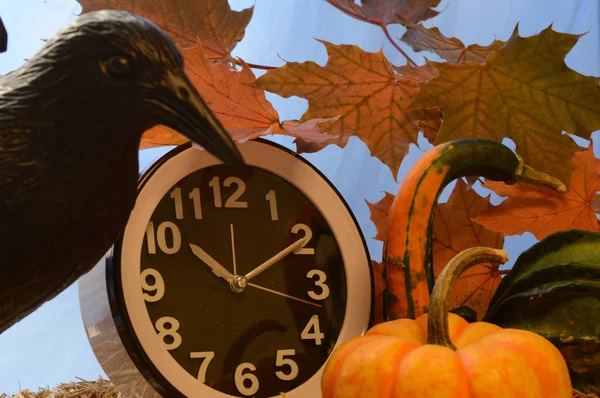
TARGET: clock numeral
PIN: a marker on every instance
(176, 196)
(206, 357)
(241, 378)
(194, 196)
(316, 335)
(307, 237)
(161, 238)
(232, 201)
(282, 361)
(320, 282)
(167, 327)
(158, 286)
(272, 199)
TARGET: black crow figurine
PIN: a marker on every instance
(71, 120)
(3, 37)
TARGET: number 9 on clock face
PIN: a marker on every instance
(239, 282)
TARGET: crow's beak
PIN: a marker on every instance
(3, 37)
(182, 109)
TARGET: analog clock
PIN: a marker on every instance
(229, 282)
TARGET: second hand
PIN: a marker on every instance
(283, 294)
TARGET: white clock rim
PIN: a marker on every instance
(310, 183)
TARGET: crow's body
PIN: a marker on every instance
(71, 120)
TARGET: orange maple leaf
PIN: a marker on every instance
(212, 22)
(420, 74)
(206, 31)
(523, 91)
(387, 11)
(541, 211)
(365, 93)
(380, 212)
(159, 136)
(240, 107)
(309, 137)
(421, 38)
(453, 232)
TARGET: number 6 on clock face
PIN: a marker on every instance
(236, 282)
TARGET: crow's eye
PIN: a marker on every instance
(119, 66)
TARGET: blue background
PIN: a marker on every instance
(50, 346)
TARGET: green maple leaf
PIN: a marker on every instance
(523, 91)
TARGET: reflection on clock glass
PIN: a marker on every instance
(232, 306)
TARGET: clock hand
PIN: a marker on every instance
(283, 294)
(233, 250)
(217, 268)
(274, 259)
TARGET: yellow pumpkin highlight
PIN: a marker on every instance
(443, 356)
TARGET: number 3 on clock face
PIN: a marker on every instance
(240, 282)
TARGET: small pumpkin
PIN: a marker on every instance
(441, 355)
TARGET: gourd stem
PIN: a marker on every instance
(529, 174)
(437, 319)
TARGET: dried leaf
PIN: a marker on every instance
(159, 136)
(240, 107)
(362, 89)
(595, 203)
(387, 11)
(205, 31)
(420, 74)
(542, 211)
(471, 180)
(421, 38)
(212, 22)
(380, 212)
(309, 137)
(454, 231)
(523, 91)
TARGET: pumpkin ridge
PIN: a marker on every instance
(336, 363)
(431, 369)
(539, 359)
(498, 372)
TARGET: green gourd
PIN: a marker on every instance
(554, 290)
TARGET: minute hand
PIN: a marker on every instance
(274, 259)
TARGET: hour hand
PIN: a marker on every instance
(217, 268)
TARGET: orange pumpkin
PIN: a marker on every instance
(441, 355)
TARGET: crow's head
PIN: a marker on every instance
(127, 65)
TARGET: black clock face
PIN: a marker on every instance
(271, 327)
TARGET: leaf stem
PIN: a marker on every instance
(391, 40)
(374, 22)
(352, 14)
(255, 66)
(437, 320)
